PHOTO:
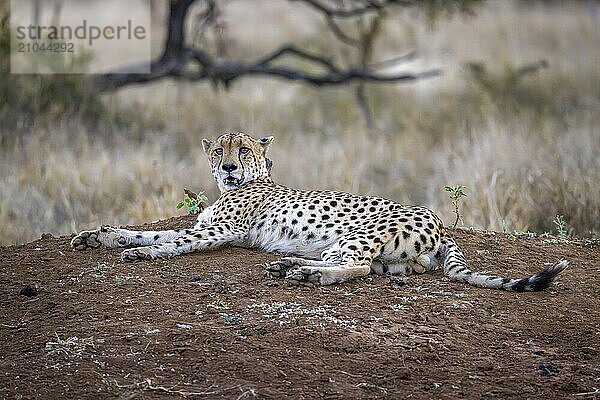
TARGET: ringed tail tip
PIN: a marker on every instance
(542, 279)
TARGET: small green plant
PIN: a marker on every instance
(456, 193)
(217, 304)
(195, 202)
(100, 272)
(561, 226)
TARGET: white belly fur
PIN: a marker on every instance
(276, 241)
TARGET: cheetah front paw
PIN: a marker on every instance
(106, 235)
(137, 253)
(85, 240)
(303, 276)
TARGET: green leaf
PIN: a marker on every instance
(180, 205)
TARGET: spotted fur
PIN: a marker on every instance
(329, 236)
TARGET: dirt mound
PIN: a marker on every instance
(210, 325)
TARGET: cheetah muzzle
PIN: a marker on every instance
(233, 182)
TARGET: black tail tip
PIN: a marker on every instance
(542, 279)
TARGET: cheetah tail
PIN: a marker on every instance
(455, 268)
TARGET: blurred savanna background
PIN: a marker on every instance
(513, 116)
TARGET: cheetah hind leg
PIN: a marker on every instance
(423, 263)
(310, 273)
(394, 268)
(326, 275)
(281, 267)
(322, 272)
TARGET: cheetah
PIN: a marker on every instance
(327, 237)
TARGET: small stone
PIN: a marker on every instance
(547, 369)
(31, 290)
(274, 267)
(46, 235)
(486, 366)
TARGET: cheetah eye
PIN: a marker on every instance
(244, 150)
(219, 152)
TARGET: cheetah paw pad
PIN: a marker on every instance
(85, 240)
(303, 277)
(139, 253)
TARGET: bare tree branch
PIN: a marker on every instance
(170, 60)
(176, 28)
(348, 75)
(227, 72)
(363, 104)
(365, 7)
(366, 53)
(180, 61)
(340, 34)
(393, 61)
(291, 49)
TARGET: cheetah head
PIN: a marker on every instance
(236, 158)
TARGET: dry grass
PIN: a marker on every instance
(525, 152)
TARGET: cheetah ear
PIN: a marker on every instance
(206, 145)
(265, 142)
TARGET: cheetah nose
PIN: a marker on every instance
(229, 167)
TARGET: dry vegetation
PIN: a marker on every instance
(526, 147)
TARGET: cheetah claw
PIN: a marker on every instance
(303, 277)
